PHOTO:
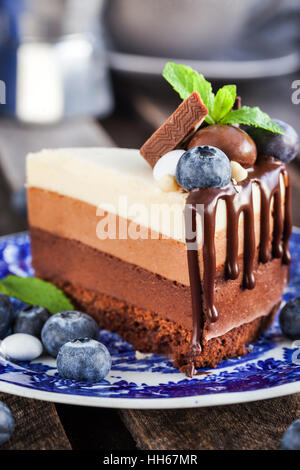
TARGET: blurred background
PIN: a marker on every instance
(76, 73)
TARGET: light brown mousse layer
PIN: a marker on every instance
(62, 260)
(77, 220)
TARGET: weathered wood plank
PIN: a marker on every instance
(10, 222)
(257, 425)
(37, 425)
(16, 140)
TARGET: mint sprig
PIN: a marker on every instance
(185, 80)
(35, 291)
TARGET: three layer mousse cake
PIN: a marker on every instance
(194, 272)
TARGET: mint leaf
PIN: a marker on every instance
(34, 291)
(181, 77)
(185, 80)
(224, 101)
(204, 88)
(251, 117)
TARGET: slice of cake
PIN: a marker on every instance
(188, 259)
(139, 286)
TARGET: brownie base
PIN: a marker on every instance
(148, 332)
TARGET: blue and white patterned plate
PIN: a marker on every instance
(271, 369)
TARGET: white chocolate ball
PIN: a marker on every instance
(21, 347)
(167, 164)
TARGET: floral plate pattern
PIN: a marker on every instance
(136, 380)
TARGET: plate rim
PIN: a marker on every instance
(197, 401)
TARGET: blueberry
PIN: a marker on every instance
(7, 423)
(31, 320)
(66, 326)
(289, 319)
(283, 147)
(83, 359)
(6, 315)
(203, 167)
(291, 437)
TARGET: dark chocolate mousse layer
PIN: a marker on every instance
(65, 261)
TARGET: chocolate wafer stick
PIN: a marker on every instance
(179, 126)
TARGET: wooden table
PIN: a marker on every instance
(41, 425)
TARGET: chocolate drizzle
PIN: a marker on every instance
(238, 198)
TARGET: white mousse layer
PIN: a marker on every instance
(119, 181)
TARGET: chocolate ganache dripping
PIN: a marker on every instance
(238, 198)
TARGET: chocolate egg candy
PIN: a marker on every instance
(235, 143)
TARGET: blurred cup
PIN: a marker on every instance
(52, 60)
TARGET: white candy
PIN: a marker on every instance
(166, 165)
(21, 347)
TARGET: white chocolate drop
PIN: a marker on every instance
(21, 347)
(167, 164)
